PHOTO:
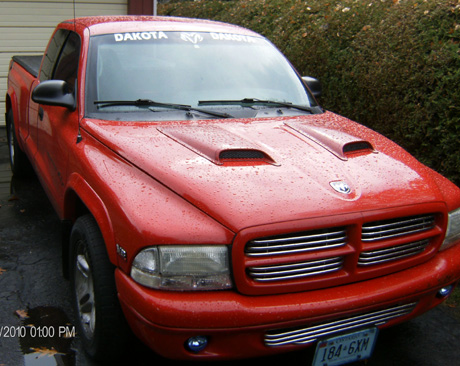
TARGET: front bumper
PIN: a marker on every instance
(165, 320)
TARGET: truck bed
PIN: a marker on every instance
(30, 63)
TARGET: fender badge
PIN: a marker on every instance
(122, 253)
(341, 187)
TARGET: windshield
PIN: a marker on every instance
(186, 69)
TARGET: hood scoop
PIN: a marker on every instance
(339, 143)
(357, 147)
(254, 157)
(218, 145)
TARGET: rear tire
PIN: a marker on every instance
(19, 163)
(100, 320)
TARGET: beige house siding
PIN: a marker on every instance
(26, 26)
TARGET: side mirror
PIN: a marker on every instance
(314, 85)
(54, 92)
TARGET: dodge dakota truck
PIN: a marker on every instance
(212, 205)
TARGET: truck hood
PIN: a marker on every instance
(251, 172)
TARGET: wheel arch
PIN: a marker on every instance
(80, 199)
(12, 105)
(8, 103)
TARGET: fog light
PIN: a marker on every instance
(197, 343)
(445, 291)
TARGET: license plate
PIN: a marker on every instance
(345, 348)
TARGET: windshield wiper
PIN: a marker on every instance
(255, 101)
(152, 103)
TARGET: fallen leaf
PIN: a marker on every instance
(1, 272)
(42, 351)
(22, 314)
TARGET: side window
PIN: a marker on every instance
(52, 53)
(67, 64)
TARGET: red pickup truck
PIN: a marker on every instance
(206, 196)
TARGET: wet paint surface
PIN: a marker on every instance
(307, 153)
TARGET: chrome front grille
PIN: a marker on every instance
(303, 335)
(380, 230)
(393, 253)
(352, 250)
(298, 242)
(295, 270)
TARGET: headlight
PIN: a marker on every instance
(183, 267)
(453, 229)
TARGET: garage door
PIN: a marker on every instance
(26, 26)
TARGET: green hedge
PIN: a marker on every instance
(391, 65)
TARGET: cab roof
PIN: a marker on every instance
(116, 24)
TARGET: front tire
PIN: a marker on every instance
(100, 321)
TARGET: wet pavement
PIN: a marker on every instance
(37, 325)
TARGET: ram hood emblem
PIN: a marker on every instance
(341, 187)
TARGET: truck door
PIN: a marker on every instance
(49, 60)
(57, 127)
